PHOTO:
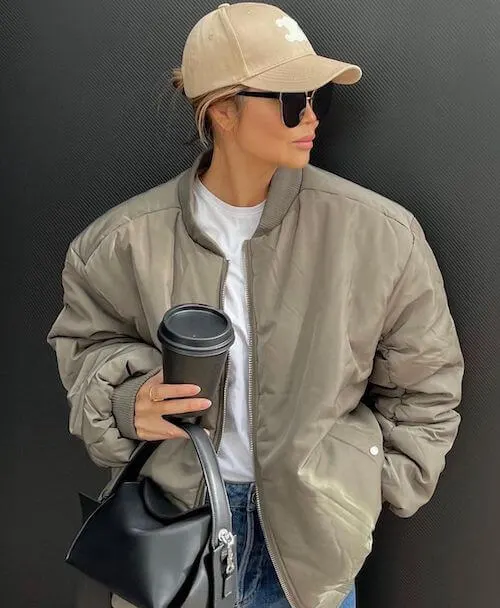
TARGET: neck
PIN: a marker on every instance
(237, 178)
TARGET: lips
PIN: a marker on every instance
(305, 140)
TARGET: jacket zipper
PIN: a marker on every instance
(220, 424)
(217, 440)
(250, 415)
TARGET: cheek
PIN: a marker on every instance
(262, 131)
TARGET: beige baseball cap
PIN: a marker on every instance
(259, 46)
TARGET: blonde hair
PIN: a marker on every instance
(202, 103)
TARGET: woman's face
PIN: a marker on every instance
(258, 130)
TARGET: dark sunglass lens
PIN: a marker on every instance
(293, 106)
(322, 100)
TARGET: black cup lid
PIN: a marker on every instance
(196, 327)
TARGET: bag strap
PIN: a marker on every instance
(221, 512)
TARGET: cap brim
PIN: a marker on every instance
(305, 74)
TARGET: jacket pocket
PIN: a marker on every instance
(356, 445)
(344, 475)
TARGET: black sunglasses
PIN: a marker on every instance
(293, 105)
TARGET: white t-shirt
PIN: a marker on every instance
(229, 227)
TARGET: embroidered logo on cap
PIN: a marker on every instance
(295, 33)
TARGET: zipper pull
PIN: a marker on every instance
(228, 540)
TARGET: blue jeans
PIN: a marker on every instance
(258, 584)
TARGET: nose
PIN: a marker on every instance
(307, 114)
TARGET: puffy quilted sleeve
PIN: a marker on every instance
(102, 363)
(416, 382)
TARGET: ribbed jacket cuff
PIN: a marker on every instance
(123, 403)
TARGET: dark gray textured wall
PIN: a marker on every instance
(81, 130)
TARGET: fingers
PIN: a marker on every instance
(160, 392)
(158, 428)
(155, 400)
(182, 406)
(170, 431)
(167, 431)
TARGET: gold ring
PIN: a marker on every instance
(151, 398)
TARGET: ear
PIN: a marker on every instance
(224, 114)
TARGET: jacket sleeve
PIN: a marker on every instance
(102, 363)
(416, 382)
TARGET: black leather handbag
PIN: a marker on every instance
(142, 547)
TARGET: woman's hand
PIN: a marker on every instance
(155, 399)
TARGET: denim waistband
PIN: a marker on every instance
(240, 494)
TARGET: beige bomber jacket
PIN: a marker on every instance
(355, 364)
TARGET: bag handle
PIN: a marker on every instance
(221, 512)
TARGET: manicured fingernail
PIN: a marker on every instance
(206, 403)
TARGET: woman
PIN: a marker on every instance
(346, 370)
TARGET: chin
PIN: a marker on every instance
(297, 160)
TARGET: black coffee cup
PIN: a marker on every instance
(195, 340)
